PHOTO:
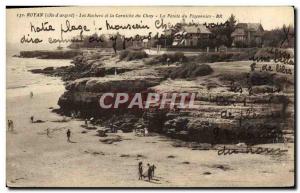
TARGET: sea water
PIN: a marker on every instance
(20, 81)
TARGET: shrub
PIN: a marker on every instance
(261, 78)
(123, 54)
(244, 78)
(255, 78)
(132, 55)
(214, 57)
(225, 56)
(191, 71)
(241, 77)
(168, 58)
(95, 56)
(178, 56)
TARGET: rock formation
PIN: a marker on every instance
(227, 111)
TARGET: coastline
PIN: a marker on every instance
(36, 160)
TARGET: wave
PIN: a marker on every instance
(15, 87)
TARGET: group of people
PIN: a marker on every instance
(75, 114)
(141, 132)
(10, 125)
(149, 173)
(142, 129)
(113, 127)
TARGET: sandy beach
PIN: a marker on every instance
(36, 160)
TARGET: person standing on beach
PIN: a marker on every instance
(145, 119)
(153, 167)
(48, 132)
(31, 94)
(149, 172)
(140, 170)
(8, 125)
(146, 132)
(11, 125)
(112, 125)
(168, 61)
(78, 114)
(73, 115)
(32, 119)
(86, 122)
(68, 135)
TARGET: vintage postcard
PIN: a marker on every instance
(157, 96)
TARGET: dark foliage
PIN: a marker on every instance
(132, 55)
(167, 58)
(280, 37)
(191, 71)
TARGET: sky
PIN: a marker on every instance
(19, 21)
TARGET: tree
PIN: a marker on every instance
(221, 34)
(280, 37)
(229, 29)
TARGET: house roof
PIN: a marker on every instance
(242, 28)
(181, 33)
(249, 26)
(196, 29)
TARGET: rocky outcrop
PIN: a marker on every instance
(224, 112)
(68, 73)
(218, 118)
(83, 94)
(223, 116)
(55, 54)
(89, 64)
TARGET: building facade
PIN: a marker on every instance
(191, 36)
(248, 34)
